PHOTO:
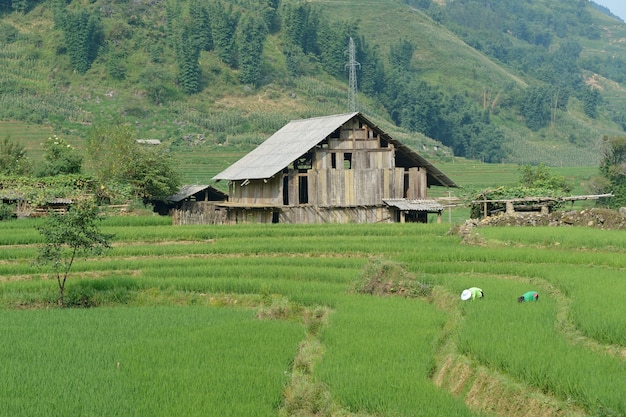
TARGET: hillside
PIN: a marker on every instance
(424, 77)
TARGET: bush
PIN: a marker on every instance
(7, 211)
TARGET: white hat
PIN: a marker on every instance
(466, 295)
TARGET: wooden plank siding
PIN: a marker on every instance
(257, 191)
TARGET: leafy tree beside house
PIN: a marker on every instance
(126, 167)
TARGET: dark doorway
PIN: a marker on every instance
(285, 190)
(303, 190)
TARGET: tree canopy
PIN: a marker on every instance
(68, 236)
(119, 159)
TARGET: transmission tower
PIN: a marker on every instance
(352, 65)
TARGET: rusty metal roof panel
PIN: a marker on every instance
(282, 148)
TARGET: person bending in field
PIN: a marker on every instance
(472, 293)
(529, 296)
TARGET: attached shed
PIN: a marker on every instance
(340, 168)
(187, 197)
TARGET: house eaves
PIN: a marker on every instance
(187, 191)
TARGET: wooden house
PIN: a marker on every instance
(333, 169)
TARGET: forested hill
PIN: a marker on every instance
(498, 81)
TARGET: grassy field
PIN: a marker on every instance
(274, 320)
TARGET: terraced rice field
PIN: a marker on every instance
(327, 320)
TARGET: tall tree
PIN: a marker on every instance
(372, 74)
(333, 44)
(536, 106)
(401, 54)
(83, 36)
(613, 168)
(13, 158)
(252, 36)
(224, 27)
(188, 53)
(201, 24)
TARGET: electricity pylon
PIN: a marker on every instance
(352, 65)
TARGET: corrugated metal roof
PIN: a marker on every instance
(298, 136)
(187, 191)
(282, 148)
(414, 205)
(148, 141)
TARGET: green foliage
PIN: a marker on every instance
(39, 191)
(13, 158)
(200, 24)
(115, 64)
(188, 52)
(8, 32)
(401, 54)
(536, 107)
(60, 158)
(613, 169)
(119, 159)
(536, 181)
(224, 22)
(83, 36)
(7, 211)
(68, 236)
(541, 177)
(591, 100)
(253, 32)
(147, 67)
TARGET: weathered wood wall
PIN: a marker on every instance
(268, 192)
(312, 214)
(199, 212)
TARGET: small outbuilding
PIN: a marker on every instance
(190, 198)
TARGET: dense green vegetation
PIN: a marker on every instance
(270, 320)
(524, 79)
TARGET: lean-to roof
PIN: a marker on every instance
(187, 191)
(299, 136)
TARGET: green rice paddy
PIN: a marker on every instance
(214, 320)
